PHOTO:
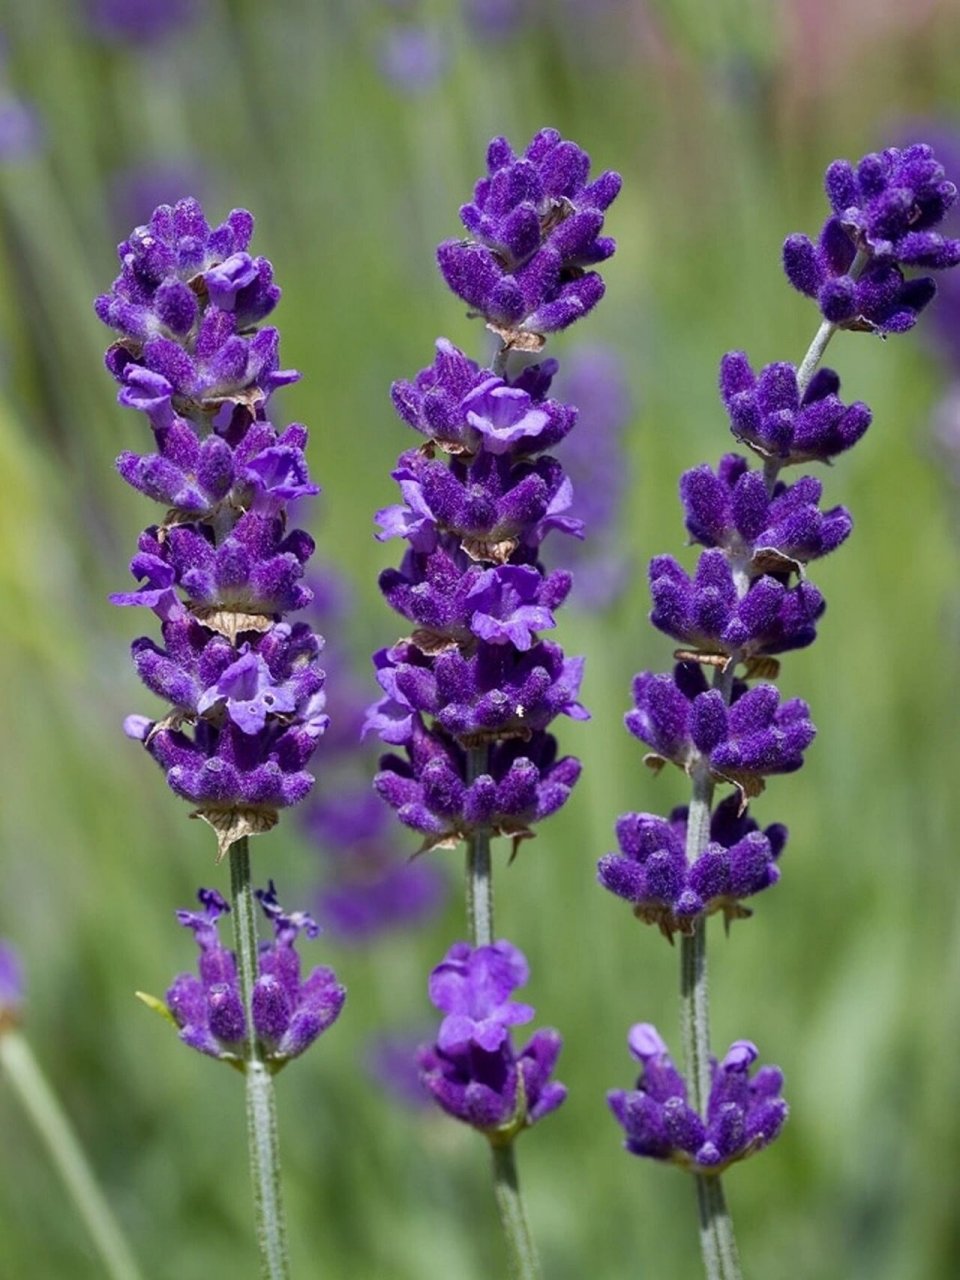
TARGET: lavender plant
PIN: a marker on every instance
(469, 695)
(221, 570)
(749, 601)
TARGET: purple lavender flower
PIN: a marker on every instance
(884, 210)
(141, 22)
(472, 583)
(11, 986)
(595, 380)
(247, 688)
(21, 131)
(494, 693)
(463, 408)
(744, 1113)
(769, 414)
(493, 506)
(391, 1062)
(523, 784)
(473, 1070)
(708, 615)
(652, 873)
(413, 58)
(369, 887)
(742, 742)
(535, 222)
(289, 1012)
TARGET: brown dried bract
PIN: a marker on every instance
(761, 668)
(231, 825)
(518, 339)
(432, 642)
(232, 622)
(485, 549)
(770, 560)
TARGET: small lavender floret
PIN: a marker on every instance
(885, 208)
(245, 721)
(11, 985)
(744, 1113)
(536, 223)
(463, 408)
(652, 873)
(686, 722)
(494, 692)
(494, 505)
(706, 613)
(760, 532)
(473, 1071)
(249, 576)
(453, 600)
(288, 1012)
(768, 413)
(524, 783)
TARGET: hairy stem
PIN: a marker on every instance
(262, 1137)
(811, 362)
(524, 1263)
(479, 871)
(48, 1118)
(717, 1242)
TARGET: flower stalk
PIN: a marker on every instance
(471, 692)
(750, 601)
(262, 1134)
(51, 1123)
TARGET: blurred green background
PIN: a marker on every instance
(721, 118)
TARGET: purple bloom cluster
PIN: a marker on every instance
(741, 741)
(744, 1113)
(535, 222)
(884, 213)
(11, 986)
(473, 1071)
(222, 567)
(479, 497)
(289, 1012)
(652, 873)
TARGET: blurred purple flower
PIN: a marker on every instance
(11, 985)
(413, 58)
(142, 22)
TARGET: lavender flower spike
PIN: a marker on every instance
(473, 1071)
(289, 1013)
(222, 567)
(744, 1113)
(220, 570)
(471, 690)
(750, 599)
(536, 223)
(884, 212)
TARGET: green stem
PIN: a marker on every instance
(479, 870)
(524, 1264)
(717, 1242)
(41, 1105)
(811, 361)
(262, 1136)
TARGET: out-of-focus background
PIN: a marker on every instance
(354, 130)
